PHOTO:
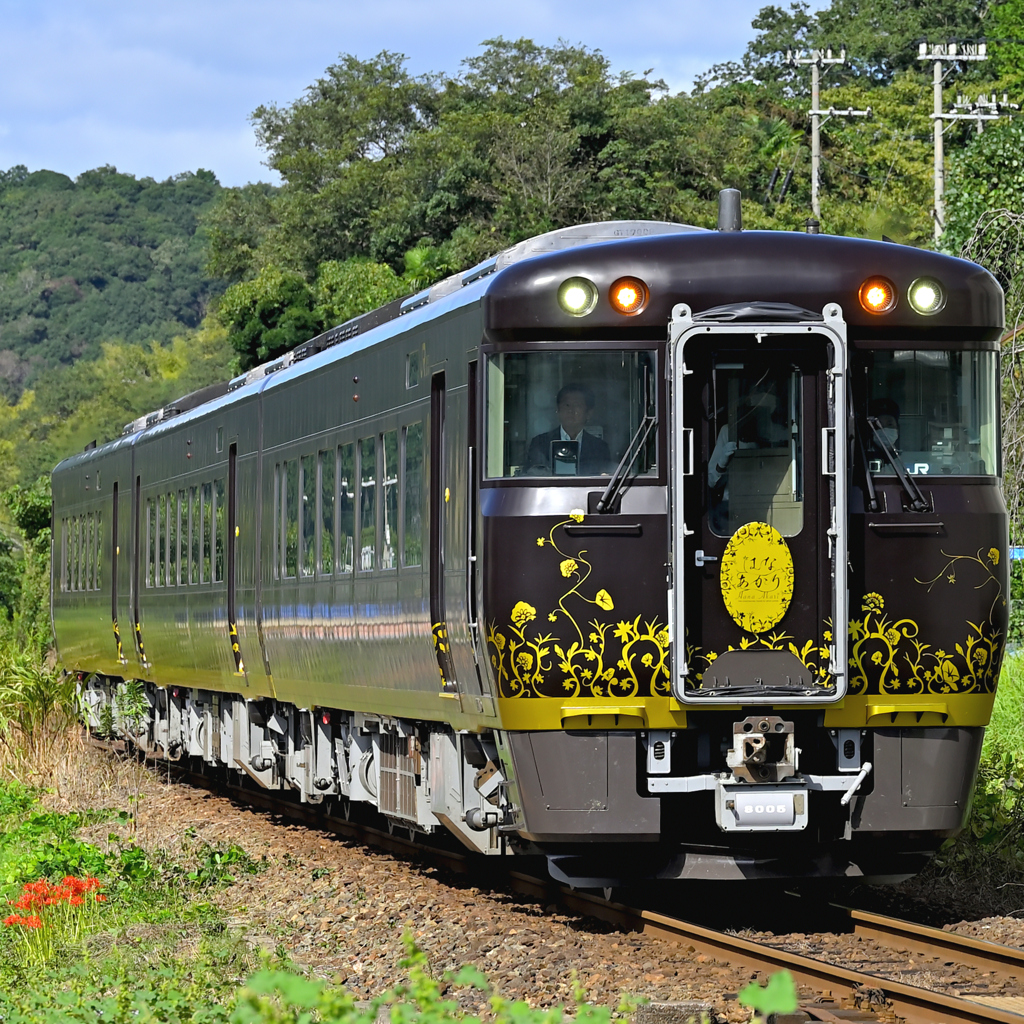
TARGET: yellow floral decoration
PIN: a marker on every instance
(624, 659)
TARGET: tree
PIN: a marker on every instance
(268, 315)
(881, 38)
(1005, 29)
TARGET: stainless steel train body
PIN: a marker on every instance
(742, 617)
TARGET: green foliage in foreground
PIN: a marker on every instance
(131, 967)
(991, 848)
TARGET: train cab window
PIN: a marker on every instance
(412, 369)
(568, 412)
(327, 463)
(99, 548)
(755, 467)
(307, 516)
(346, 507)
(367, 503)
(412, 496)
(938, 408)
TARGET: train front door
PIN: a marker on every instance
(759, 504)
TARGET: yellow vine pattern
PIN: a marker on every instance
(887, 656)
(624, 659)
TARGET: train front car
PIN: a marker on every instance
(744, 592)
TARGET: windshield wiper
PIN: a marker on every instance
(917, 502)
(629, 456)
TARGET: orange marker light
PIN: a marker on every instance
(878, 295)
(629, 295)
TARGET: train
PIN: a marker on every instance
(662, 552)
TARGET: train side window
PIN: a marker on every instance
(412, 369)
(86, 541)
(183, 546)
(290, 473)
(412, 496)
(71, 554)
(277, 552)
(171, 532)
(325, 555)
(150, 543)
(78, 551)
(346, 507)
(389, 540)
(99, 547)
(307, 517)
(206, 527)
(220, 519)
(90, 553)
(195, 532)
(63, 553)
(161, 540)
(367, 503)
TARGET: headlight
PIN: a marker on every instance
(926, 295)
(577, 296)
(878, 295)
(629, 295)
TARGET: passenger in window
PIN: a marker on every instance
(569, 448)
(758, 423)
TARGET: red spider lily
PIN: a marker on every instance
(41, 894)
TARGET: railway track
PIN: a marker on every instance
(878, 995)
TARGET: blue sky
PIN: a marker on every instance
(160, 89)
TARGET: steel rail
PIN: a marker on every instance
(913, 1004)
(1004, 961)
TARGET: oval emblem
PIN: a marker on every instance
(757, 577)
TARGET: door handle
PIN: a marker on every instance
(700, 558)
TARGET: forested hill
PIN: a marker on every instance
(102, 257)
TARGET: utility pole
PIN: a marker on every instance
(818, 59)
(984, 108)
(939, 52)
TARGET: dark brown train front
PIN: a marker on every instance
(776, 652)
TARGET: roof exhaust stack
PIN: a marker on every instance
(730, 215)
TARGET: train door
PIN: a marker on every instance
(119, 613)
(440, 496)
(759, 504)
(453, 538)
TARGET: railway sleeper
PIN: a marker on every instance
(419, 775)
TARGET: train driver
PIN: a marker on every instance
(569, 448)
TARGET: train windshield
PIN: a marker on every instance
(939, 410)
(568, 413)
